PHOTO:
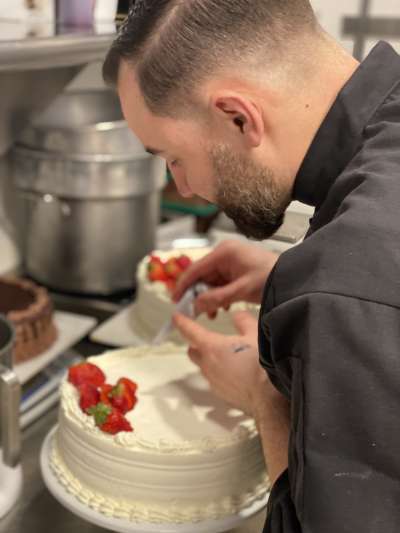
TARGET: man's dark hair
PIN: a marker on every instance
(174, 45)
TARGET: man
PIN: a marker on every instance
(253, 105)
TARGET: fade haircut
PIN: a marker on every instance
(174, 45)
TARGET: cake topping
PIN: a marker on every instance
(105, 390)
(107, 403)
(167, 271)
(86, 373)
(109, 419)
(123, 396)
(155, 269)
(89, 396)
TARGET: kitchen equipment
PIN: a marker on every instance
(10, 451)
(9, 257)
(88, 193)
(82, 122)
(42, 391)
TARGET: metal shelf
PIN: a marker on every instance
(34, 69)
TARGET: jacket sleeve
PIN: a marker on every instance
(338, 358)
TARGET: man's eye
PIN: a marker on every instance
(173, 163)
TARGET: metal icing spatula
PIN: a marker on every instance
(185, 306)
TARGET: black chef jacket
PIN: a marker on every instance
(329, 329)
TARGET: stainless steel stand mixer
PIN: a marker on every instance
(10, 450)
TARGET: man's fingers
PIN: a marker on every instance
(194, 355)
(245, 323)
(195, 334)
(197, 271)
(186, 280)
(220, 297)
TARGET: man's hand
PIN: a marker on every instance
(229, 363)
(231, 366)
(236, 271)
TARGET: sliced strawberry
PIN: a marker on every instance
(172, 269)
(122, 397)
(132, 386)
(105, 391)
(86, 373)
(155, 259)
(89, 396)
(156, 272)
(109, 419)
(184, 261)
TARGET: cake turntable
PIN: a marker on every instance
(126, 526)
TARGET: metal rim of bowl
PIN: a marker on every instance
(85, 127)
(11, 334)
(84, 158)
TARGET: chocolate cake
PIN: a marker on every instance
(29, 308)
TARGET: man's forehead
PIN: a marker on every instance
(150, 128)
(138, 116)
(129, 90)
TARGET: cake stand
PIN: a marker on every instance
(125, 526)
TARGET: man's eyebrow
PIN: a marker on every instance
(153, 151)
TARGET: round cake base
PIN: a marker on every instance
(126, 526)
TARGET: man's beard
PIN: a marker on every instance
(248, 193)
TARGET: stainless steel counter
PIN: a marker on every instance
(38, 511)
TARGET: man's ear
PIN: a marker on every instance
(241, 115)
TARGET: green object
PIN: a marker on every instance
(197, 210)
(100, 413)
(204, 210)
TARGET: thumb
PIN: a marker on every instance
(245, 323)
(195, 334)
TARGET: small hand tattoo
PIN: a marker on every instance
(236, 348)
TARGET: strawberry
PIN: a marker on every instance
(122, 396)
(132, 386)
(86, 373)
(105, 390)
(172, 268)
(156, 272)
(155, 259)
(109, 419)
(184, 261)
(88, 396)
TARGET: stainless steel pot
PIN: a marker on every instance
(82, 122)
(87, 218)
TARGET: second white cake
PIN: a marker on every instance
(153, 305)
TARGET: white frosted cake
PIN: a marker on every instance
(153, 305)
(189, 457)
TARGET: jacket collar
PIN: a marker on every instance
(340, 134)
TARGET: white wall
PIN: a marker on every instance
(331, 14)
